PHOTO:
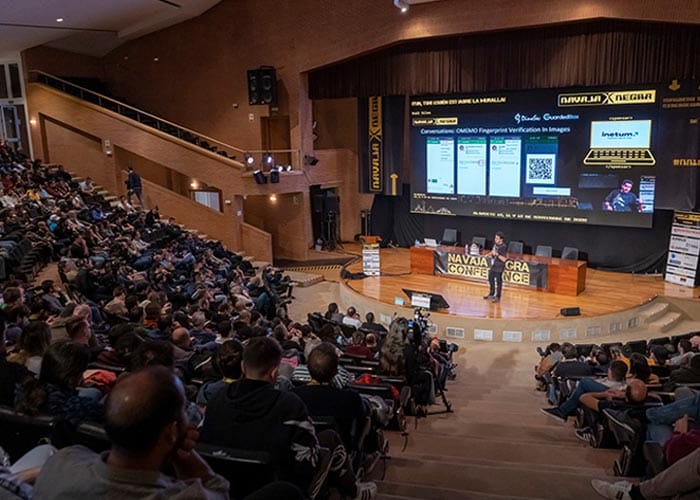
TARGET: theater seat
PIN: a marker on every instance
(479, 240)
(246, 470)
(543, 251)
(449, 237)
(515, 247)
(21, 433)
(569, 253)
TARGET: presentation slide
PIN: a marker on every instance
(471, 165)
(504, 166)
(621, 134)
(553, 155)
(440, 155)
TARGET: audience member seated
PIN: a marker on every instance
(252, 414)
(634, 393)
(33, 343)
(358, 347)
(324, 400)
(683, 356)
(639, 369)
(612, 386)
(227, 361)
(659, 421)
(370, 325)
(658, 356)
(333, 313)
(352, 318)
(549, 359)
(11, 376)
(686, 375)
(15, 316)
(570, 365)
(148, 428)
(53, 297)
(56, 391)
(680, 481)
(159, 353)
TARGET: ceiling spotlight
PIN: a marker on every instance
(248, 159)
(268, 159)
(273, 198)
(310, 160)
(260, 177)
(402, 5)
(59, 20)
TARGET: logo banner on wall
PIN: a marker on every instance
(684, 249)
(517, 272)
(376, 160)
(679, 133)
(381, 127)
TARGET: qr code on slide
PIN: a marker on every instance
(540, 168)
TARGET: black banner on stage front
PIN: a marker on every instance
(517, 272)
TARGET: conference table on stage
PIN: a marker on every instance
(561, 276)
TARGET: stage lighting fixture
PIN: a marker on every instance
(268, 159)
(260, 177)
(248, 159)
(310, 160)
(288, 168)
(402, 5)
(275, 174)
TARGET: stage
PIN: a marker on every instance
(611, 303)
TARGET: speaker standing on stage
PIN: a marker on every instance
(497, 258)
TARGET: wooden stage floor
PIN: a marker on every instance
(605, 292)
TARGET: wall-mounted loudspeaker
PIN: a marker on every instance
(262, 86)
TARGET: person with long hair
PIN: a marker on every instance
(56, 391)
(32, 344)
(639, 369)
(392, 358)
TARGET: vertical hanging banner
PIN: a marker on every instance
(684, 249)
(381, 127)
(376, 159)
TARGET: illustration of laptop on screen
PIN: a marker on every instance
(624, 142)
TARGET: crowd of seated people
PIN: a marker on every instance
(405, 350)
(642, 397)
(143, 303)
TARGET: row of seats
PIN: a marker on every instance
(449, 237)
(245, 469)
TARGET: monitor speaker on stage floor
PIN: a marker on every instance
(570, 311)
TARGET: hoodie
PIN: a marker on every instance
(253, 415)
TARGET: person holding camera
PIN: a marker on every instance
(497, 260)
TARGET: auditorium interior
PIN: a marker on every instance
(488, 209)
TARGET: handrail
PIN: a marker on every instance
(260, 245)
(184, 133)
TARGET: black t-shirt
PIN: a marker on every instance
(11, 374)
(498, 265)
(623, 202)
(344, 405)
(568, 369)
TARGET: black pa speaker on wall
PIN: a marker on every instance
(570, 311)
(262, 86)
